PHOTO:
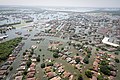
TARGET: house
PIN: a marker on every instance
(68, 59)
(71, 77)
(33, 65)
(18, 77)
(48, 69)
(72, 62)
(66, 74)
(56, 78)
(30, 75)
(19, 73)
(64, 57)
(2, 72)
(78, 66)
(95, 66)
(31, 78)
(93, 78)
(23, 64)
(51, 74)
(113, 73)
(34, 60)
(5, 67)
(21, 68)
(11, 58)
(111, 78)
(106, 41)
(60, 69)
(31, 69)
(57, 65)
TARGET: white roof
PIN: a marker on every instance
(105, 41)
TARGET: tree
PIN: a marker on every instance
(43, 65)
(50, 64)
(29, 63)
(32, 50)
(77, 60)
(117, 60)
(116, 53)
(26, 50)
(118, 48)
(55, 55)
(24, 53)
(104, 62)
(25, 72)
(77, 54)
(80, 77)
(38, 55)
(105, 69)
(97, 49)
(86, 60)
(86, 43)
(38, 59)
(11, 68)
(40, 49)
(100, 77)
(62, 48)
(88, 73)
(43, 55)
(69, 44)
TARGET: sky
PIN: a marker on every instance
(64, 3)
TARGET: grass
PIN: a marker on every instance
(7, 47)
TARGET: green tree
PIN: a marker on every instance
(38, 59)
(105, 69)
(88, 73)
(80, 77)
(43, 65)
(116, 53)
(11, 68)
(50, 64)
(55, 55)
(40, 49)
(29, 63)
(117, 60)
(77, 60)
(100, 77)
(86, 60)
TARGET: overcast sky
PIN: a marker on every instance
(72, 3)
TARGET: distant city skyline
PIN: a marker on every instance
(64, 3)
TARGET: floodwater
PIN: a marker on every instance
(28, 43)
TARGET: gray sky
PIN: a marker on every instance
(72, 3)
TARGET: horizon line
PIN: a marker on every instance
(55, 6)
